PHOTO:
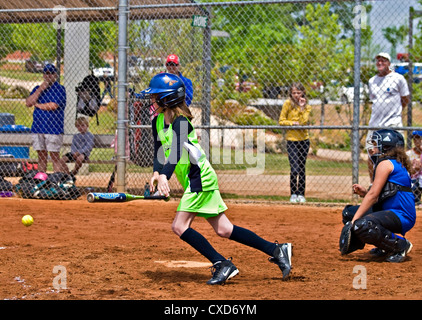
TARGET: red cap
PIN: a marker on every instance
(173, 58)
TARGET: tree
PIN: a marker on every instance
(321, 54)
(37, 38)
(255, 30)
(395, 36)
(6, 43)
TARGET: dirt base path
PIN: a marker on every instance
(127, 251)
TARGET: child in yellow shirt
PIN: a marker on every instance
(296, 111)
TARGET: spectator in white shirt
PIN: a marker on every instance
(389, 94)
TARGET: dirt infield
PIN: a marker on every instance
(127, 251)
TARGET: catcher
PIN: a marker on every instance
(177, 151)
(387, 208)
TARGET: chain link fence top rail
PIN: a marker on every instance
(242, 58)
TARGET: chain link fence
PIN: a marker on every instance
(242, 58)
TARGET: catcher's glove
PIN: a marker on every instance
(348, 240)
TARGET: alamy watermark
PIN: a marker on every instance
(360, 19)
(360, 281)
(60, 281)
(59, 21)
(244, 147)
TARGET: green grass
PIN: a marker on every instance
(233, 196)
(21, 75)
(23, 114)
(274, 164)
(278, 164)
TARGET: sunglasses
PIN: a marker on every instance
(171, 64)
(49, 72)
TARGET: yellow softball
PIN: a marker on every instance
(27, 220)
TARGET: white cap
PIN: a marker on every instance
(384, 55)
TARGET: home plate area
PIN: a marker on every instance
(184, 264)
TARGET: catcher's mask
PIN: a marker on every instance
(169, 90)
(383, 140)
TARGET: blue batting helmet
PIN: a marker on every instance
(169, 88)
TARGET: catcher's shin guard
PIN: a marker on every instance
(368, 231)
(349, 242)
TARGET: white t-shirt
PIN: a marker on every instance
(385, 94)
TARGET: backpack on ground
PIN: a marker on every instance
(89, 97)
(58, 186)
(5, 185)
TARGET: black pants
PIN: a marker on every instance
(298, 152)
(379, 228)
(386, 219)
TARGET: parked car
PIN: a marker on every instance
(34, 66)
(275, 92)
(244, 84)
(150, 65)
(403, 68)
(101, 73)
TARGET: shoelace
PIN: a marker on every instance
(272, 259)
(216, 267)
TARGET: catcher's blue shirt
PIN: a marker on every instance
(402, 203)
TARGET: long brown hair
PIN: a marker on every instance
(400, 155)
(299, 86)
(181, 110)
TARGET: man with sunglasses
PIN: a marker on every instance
(172, 65)
(49, 102)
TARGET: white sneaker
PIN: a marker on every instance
(301, 199)
(293, 198)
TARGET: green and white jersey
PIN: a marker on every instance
(178, 146)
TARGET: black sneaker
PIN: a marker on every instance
(400, 256)
(282, 256)
(222, 271)
(377, 253)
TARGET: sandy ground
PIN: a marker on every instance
(77, 250)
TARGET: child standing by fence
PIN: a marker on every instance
(295, 112)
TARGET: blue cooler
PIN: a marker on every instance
(15, 152)
(7, 119)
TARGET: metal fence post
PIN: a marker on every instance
(356, 102)
(206, 91)
(121, 97)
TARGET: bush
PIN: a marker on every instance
(16, 92)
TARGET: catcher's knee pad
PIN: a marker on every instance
(348, 213)
(369, 232)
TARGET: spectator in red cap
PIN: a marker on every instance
(172, 65)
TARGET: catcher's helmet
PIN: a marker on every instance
(169, 88)
(385, 140)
